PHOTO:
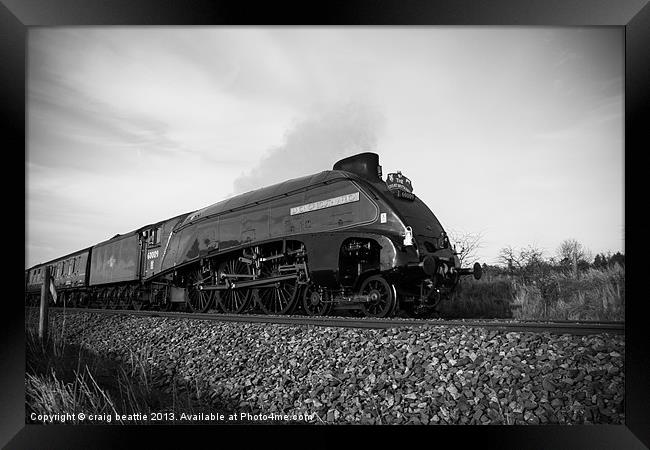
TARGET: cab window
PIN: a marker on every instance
(154, 236)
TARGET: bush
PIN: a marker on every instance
(489, 298)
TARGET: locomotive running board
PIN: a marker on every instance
(245, 284)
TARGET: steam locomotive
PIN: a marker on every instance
(339, 239)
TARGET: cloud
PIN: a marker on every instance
(316, 143)
(68, 128)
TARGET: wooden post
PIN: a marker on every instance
(43, 320)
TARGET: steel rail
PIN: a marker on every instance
(554, 327)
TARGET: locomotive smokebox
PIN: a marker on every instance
(365, 165)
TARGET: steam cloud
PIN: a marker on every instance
(315, 144)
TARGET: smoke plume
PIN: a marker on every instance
(315, 144)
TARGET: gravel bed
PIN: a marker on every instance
(415, 375)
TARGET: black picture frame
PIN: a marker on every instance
(16, 16)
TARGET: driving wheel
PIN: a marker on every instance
(232, 300)
(314, 303)
(381, 296)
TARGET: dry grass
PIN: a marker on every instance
(596, 294)
(63, 378)
(49, 395)
(593, 295)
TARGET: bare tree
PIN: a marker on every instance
(570, 252)
(509, 258)
(525, 262)
(532, 256)
(467, 245)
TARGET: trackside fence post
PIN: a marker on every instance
(43, 319)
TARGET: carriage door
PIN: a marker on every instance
(151, 251)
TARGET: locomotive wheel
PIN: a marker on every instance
(414, 312)
(93, 299)
(138, 302)
(127, 298)
(98, 299)
(83, 299)
(103, 298)
(109, 300)
(168, 306)
(198, 300)
(280, 298)
(123, 299)
(233, 301)
(67, 299)
(382, 297)
(163, 300)
(74, 299)
(312, 302)
(114, 298)
(207, 299)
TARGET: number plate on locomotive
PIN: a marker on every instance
(404, 195)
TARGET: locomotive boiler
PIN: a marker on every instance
(339, 239)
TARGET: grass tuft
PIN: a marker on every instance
(62, 378)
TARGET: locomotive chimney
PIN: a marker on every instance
(365, 165)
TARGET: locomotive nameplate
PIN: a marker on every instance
(398, 182)
(341, 200)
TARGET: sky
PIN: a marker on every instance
(513, 133)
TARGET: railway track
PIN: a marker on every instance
(555, 327)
